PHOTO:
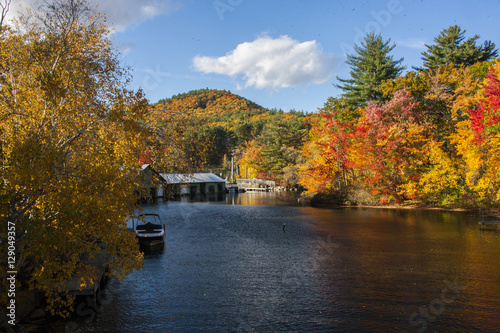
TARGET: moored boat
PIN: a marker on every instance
(151, 232)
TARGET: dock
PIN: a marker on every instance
(256, 189)
(485, 223)
(92, 289)
(256, 185)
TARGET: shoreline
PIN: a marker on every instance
(489, 213)
(480, 212)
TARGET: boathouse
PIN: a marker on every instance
(192, 184)
(151, 183)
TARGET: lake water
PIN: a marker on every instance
(252, 263)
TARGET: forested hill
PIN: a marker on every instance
(210, 102)
(209, 126)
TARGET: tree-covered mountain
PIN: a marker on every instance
(211, 126)
(210, 101)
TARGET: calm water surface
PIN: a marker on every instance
(229, 266)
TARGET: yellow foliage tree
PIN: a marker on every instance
(478, 141)
(443, 183)
(316, 173)
(69, 151)
(250, 160)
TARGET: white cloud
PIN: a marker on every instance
(272, 63)
(119, 13)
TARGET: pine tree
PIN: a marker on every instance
(451, 47)
(370, 66)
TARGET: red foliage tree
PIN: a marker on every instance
(485, 119)
(391, 136)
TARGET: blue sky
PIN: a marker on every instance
(279, 54)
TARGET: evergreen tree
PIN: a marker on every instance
(370, 66)
(451, 47)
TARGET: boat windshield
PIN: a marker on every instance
(151, 218)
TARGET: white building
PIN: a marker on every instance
(195, 183)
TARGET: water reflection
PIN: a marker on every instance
(263, 198)
(396, 263)
(228, 266)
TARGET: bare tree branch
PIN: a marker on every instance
(4, 5)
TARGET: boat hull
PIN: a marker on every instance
(151, 241)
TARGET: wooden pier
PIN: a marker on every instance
(256, 185)
(488, 223)
(256, 189)
(92, 290)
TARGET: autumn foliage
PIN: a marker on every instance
(486, 116)
(73, 136)
(434, 141)
(70, 142)
(211, 126)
